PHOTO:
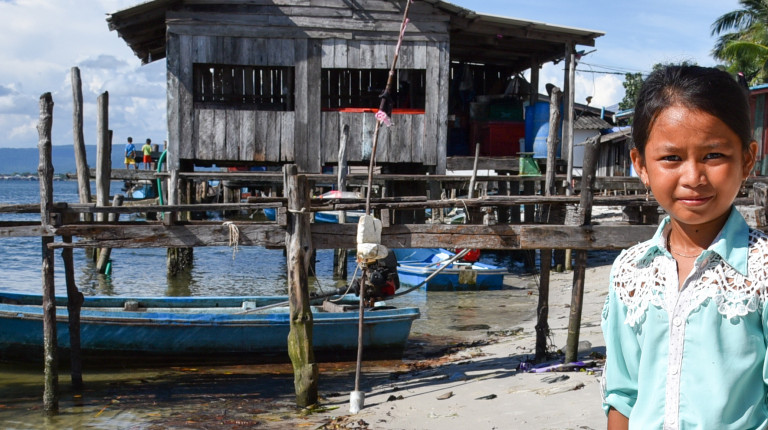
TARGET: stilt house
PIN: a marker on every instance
(269, 82)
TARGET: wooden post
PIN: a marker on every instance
(103, 154)
(104, 254)
(298, 242)
(570, 88)
(552, 139)
(584, 215)
(542, 308)
(74, 303)
(340, 255)
(45, 176)
(83, 180)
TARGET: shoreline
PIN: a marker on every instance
(482, 385)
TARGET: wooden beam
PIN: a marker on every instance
(330, 236)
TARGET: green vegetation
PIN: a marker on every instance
(743, 41)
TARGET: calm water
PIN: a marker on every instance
(215, 271)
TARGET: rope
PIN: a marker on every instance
(234, 236)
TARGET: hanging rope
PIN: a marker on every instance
(234, 236)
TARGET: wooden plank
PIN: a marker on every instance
(262, 136)
(259, 52)
(173, 97)
(431, 107)
(353, 122)
(405, 59)
(287, 129)
(35, 230)
(330, 136)
(288, 56)
(184, 101)
(353, 54)
(439, 145)
(233, 122)
(367, 48)
(340, 54)
(204, 120)
(328, 46)
(247, 135)
(298, 33)
(219, 134)
(314, 152)
(419, 54)
(383, 53)
(332, 236)
(274, 129)
(368, 125)
(300, 134)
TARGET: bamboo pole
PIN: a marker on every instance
(298, 241)
(584, 215)
(45, 176)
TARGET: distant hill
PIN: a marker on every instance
(25, 160)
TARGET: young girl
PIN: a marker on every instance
(684, 321)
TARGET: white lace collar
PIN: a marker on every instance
(646, 274)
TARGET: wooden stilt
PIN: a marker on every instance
(298, 242)
(542, 308)
(45, 176)
(584, 216)
(104, 254)
(81, 162)
(103, 155)
(74, 303)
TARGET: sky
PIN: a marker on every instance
(41, 40)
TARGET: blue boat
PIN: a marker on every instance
(414, 265)
(331, 217)
(197, 329)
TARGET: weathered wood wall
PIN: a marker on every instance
(308, 37)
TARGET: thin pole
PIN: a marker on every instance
(45, 175)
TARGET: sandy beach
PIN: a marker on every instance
(483, 386)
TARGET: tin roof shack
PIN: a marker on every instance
(278, 81)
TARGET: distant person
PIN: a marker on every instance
(130, 153)
(147, 150)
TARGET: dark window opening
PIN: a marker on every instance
(252, 87)
(356, 90)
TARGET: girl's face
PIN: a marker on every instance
(694, 164)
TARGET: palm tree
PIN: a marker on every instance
(743, 41)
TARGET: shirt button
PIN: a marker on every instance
(677, 321)
(674, 371)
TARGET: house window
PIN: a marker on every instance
(359, 89)
(251, 87)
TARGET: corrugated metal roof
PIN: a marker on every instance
(590, 123)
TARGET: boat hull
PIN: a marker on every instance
(416, 265)
(197, 334)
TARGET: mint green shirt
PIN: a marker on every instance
(694, 358)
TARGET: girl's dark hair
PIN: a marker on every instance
(701, 88)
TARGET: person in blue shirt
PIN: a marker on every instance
(685, 323)
(130, 150)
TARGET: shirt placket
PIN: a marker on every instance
(677, 324)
